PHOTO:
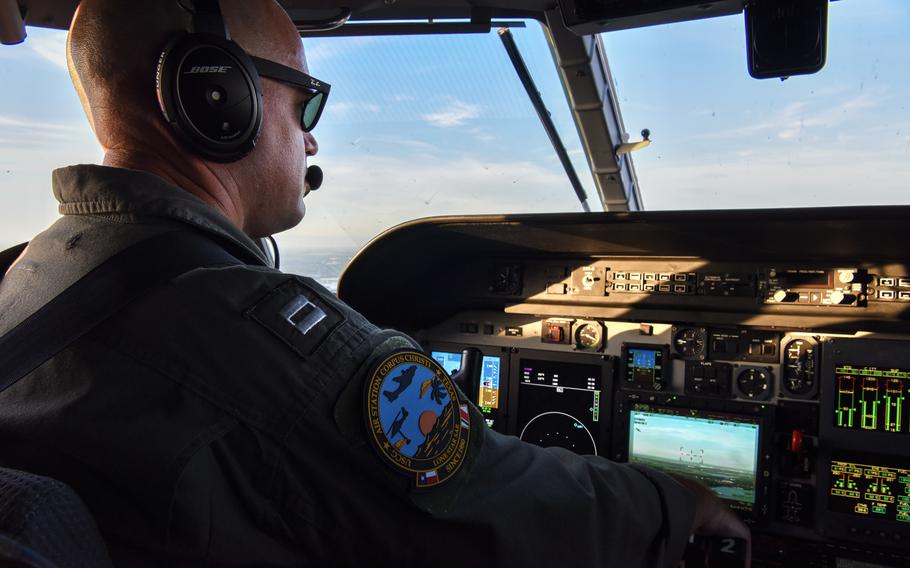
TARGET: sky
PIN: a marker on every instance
(725, 140)
(422, 126)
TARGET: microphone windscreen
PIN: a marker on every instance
(314, 177)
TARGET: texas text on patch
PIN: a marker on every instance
(415, 418)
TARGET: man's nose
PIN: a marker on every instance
(310, 144)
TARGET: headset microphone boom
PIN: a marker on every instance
(314, 177)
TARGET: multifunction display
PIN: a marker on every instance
(488, 393)
(646, 366)
(869, 491)
(718, 450)
(872, 399)
(560, 405)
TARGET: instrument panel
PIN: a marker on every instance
(765, 353)
(799, 432)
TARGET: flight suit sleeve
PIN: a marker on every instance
(291, 364)
(522, 505)
(574, 510)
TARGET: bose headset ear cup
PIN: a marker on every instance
(209, 90)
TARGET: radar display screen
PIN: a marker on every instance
(644, 365)
(872, 399)
(719, 450)
(559, 405)
(488, 394)
(869, 491)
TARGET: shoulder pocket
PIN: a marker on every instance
(297, 315)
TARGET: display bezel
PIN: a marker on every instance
(501, 414)
(866, 459)
(879, 353)
(839, 525)
(797, 279)
(785, 343)
(874, 446)
(760, 414)
(666, 365)
(606, 381)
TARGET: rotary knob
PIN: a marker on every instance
(783, 296)
(838, 297)
(846, 276)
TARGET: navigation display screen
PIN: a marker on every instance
(868, 490)
(718, 450)
(559, 405)
(644, 360)
(643, 366)
(488, 397)
(872, 399)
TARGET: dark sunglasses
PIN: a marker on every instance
(312, 108)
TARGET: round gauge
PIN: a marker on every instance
(507, 280)
(589, 336)
(690, 342)
(754, 382)
(560, 430)
(799, 367)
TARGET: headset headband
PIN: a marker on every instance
(207, 19)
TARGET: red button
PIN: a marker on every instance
(796, 441)
(554, 333)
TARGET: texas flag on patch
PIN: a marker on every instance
(465, 416)
(426, 478)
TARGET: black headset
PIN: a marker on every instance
(209, 89)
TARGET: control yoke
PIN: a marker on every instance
(468, 376)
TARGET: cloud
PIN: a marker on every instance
(48, 45)
(401, 98)
(482, 135)
(366, 195)
(27, 134)
(456, 115)
(790, 121)
(348, 107)
(800, 176)
(15, 122)
(406, 145)
(320, 50)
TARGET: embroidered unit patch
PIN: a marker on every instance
(415, 419)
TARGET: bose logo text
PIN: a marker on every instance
(208, 69)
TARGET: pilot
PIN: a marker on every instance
(231, 416)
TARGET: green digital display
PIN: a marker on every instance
(872, 399)
(870, 491)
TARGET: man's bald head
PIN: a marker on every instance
(113, 50)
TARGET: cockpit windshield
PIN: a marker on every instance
(416, 126)
(722, 140)
(421, 126)
(430, 125)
